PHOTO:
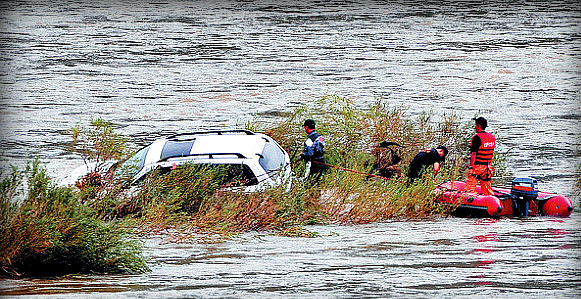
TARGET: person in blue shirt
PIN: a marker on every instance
(313, 151)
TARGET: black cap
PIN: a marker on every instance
(482, 122)
(445, 149)
(309, 123)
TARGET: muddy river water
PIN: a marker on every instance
(159, 67)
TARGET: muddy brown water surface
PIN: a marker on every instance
(156, 68)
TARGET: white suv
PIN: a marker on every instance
(253, 158)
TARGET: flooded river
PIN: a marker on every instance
(159, 67)
(447, 258)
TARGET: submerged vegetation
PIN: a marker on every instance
(78, 229)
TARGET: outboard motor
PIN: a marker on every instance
(523, 191)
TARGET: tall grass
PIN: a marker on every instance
(50, 232)
(343, 197)
(185, 199)
(353, 136)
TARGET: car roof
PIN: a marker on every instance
(238, 143)
(247, 145)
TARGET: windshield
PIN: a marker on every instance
(133, 165)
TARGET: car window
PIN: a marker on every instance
(176, 149)
(231, 175)
(133, 165)
(272, 157)
(237, 174)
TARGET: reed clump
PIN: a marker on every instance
(48, 231)
(353, 136)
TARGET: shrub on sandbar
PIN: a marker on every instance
(49, 232)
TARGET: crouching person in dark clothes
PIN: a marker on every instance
(426, 158)
(386, 159)
(313, 151)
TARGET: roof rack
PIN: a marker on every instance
(210, 155)
(217, 132)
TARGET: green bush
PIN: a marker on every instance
(51, 233)
(98, 143)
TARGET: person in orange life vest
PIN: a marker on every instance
(481, 153)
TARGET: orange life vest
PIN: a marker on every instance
(486, 149)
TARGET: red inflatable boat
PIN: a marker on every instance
(523, 199)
